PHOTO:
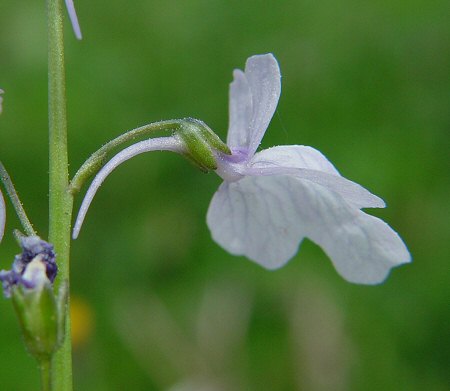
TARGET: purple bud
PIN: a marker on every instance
(32, 247)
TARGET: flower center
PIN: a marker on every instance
(229, 167)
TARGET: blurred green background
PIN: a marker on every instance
(157, 304)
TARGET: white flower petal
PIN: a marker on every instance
(363, 250)
(2, 216)
(240, 112)
(73, 18)
(296, 156)
(253, 99)
(264, 79)
(254, 217)
(308, 163)
(153, 144)
(266, 218)
(35, 273)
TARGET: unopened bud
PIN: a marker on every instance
(37, 311)
(29, 284)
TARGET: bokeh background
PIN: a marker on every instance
(157, 305)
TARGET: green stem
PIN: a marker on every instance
(60, 200)
(96, 160)
(14, 197)
(193, 129)
(45, 375)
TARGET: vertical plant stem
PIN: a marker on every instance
(45, 375)
(60, 201)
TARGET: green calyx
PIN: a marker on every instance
(41, 318)
(201, 142)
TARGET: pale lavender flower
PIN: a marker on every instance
(271, 200)
(73, 18)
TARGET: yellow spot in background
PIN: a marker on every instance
(82, 317)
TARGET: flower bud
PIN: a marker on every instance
(29, 284)
(37, 310)
(201, 143)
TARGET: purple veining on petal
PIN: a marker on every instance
(238, 155)
(230, 167)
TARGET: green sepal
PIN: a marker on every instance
(210, 137)
(37, 312)
(200, 142)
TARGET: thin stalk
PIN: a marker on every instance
(15, 200)
(96, 160)
(45, 375)
(60, 200)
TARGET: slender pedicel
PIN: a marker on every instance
(92, 165)
(14, 197)
(173, 144)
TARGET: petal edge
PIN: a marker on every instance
(266, 219)
(264, 79)
(310, 164)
